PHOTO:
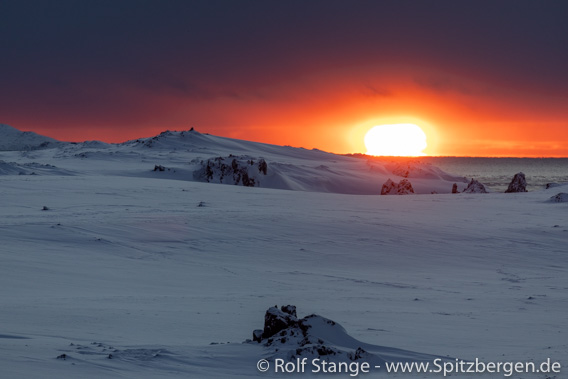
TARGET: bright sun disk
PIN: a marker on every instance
(400, 140)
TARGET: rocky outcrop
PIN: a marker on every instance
(404, 187)
(518, 184)
(475, 187)
(307, 337)
(237, 170)
(257, 335)
(276, 320)
(290, 309)
(389, 187)
(552, 185)
(562, 197)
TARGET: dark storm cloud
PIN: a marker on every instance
(90, 55)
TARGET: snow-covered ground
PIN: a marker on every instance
(169, 275)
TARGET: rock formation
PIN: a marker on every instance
(518, 184)
(404, 187)
(237, 170)
(562, 197)
(307, 337)
(389, 187)
(475, 187)
(276, 320)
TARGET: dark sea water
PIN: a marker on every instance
(496, 173)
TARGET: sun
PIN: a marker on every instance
(399, 140)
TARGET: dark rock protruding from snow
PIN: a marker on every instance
(404, 187)
(262, 166)
(475, 187)
(237, 170)
(388, 187)
(518, 184)
(455, 188)
(290, 309)
(552, 185)
(562, 197)
(310, 336)
(257, 335)
(276, 320)
(290, 338)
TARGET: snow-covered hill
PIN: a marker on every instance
(12, 139)
(192, 156)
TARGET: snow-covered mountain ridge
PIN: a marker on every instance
(193, 156)
(12, 139)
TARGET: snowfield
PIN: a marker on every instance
(113, 269)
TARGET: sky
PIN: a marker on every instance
(481, 78)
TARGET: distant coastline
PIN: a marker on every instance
(496, 173)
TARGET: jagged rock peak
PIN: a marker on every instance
(388, 187)
(475, 187)
(518, 184)
(404, 187)
(276, 320)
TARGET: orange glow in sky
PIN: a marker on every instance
(333, 111)
(475, 85)
(335, 116)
